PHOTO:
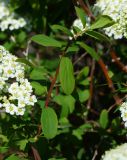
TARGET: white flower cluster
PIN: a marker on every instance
(15, 90)
(118, 153)
(8, 20)
(123, 110)
(117, 10)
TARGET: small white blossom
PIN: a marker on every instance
(11, 109)
(78, 23)
(20, 111)
(118, 153)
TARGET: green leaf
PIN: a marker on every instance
(41, 103)
(3, 149)
(62, 28)
(81, 130)
(104, 119)
(25, 61)
(12, 157)
(97, 35)
(39, 89)
(22, 144)
(49, 122)
(83, 95)
(46, 41)
(83, 73)
(66, 75)
(3, 36)
(89, 50)
(38, 73)
(3, 138)
(81, 15)
(67, 102)
(102, 22)
(21, 37)
(76, 29)
(73, 48)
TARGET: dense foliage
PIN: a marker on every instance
(63, 79)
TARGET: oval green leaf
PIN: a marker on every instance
(46, 41)
(97, 35)
(25, 61)
(81, 15)
(61, 28)
(89, 50)
(49, 122)
(67, 79)
(102, 22)
(104, 119)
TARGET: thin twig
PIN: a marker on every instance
(95, 154)
(80, 58)
(91, 84)
(109, 81)
(112, 106)
(51, 87)
(116, 60)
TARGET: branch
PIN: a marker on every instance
(80, 58)
(91, 84)
(86, 9)
(117, 61)
(109, 81)
(51, 87)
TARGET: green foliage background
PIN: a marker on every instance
(67, 128)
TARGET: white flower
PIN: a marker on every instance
(3, 10)
(123, 110)
(32, 99)
(118, 153)
(11, 108)
(117, 10)
(20, 111)
(1, 105)
(78, 23)
(12, 81)
(9, 20)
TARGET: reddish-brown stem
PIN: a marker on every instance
(51, 87)
(117, 61)
(86, 9)
(109, 81)
(35, 153)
